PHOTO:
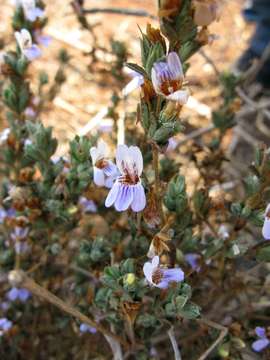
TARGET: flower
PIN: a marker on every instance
(87, 205)
(42, 39)
(128, 190)
(19, 233)
(29, 50)
(84, 328)
(18, 294)
(105, 171)
(194, 261)
(263, 341)
(135, 83)
(31, 11)
(5, 325)
(6, 214)
(161, 277)
(168, 77)
(266, 224)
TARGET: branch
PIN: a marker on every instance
(177, 354)
(19, 278)
(223, 332)
(119, 11)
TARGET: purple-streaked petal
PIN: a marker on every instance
(175, 274)
(124, 198)
(139, 199)
(175, 66)
(260, 332)
(134, 84)
(136, 156)
(180, 96)
(122, 154)
(112, 194)
(99, 177)
(111, 169)
(32, 52)
(260, 345)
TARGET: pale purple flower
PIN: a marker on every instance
(31, 11)
(5, 325)
(19, 233)
(193, 260)
(29, 50)
(263, 341)
(85, 328)
(161, 277)
(134, 84)
(127, 191)
(172, 144)
(5, 305)
(168, 77)
(87, 205)
(6, 214)
(30, 112)
(266, 224)
(18, 294)
(105, 171)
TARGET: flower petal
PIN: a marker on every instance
(139, 200)
(260, 332)
(260, 345)
(23, 294)
(175, 66)
(175, 274)
(12, 294)
(136, 156)
(148, 271)
(99, 177)
(124, 198)
(122, 154)
(32, 52)
(134, 84)
(111, 197)
(155, 262)
(180, 96)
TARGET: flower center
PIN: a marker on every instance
(157, 276)
(101, 164)
(170, 86)
(130, 176)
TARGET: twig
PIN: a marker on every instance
(177, 354)
(253, 71)
(120, 11)
(115, 346)
(250, 102)
(210, 61)
(223, 332)
(19, 278)
(196, 133)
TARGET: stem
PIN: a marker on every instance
(119, 11)
(223, 332)
(177, 354)
(19, 278)
(115, 347)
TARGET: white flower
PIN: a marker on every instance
(127, 191)
(266, 224)
(105, 171)
(28, 49)
(168, 77)
(161, 277)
